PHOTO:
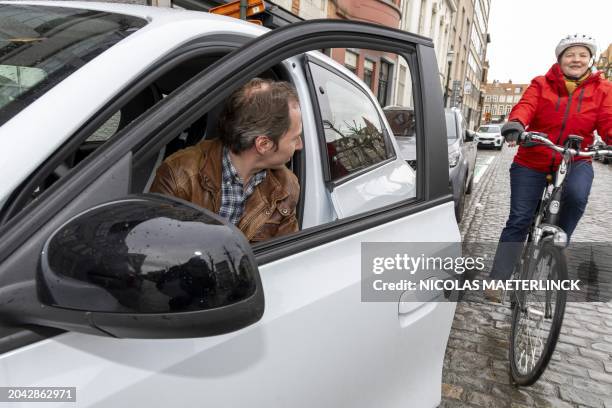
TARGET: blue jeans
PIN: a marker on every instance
(526, 188)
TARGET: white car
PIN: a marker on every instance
(138, 299)
(490, 136)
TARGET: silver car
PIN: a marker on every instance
(461, 149)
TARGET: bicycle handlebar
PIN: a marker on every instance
(543, 139)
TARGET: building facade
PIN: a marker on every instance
(604, 62)
(468, 67)
(376, 68)
(306, 9)
(428, 18)
(458, 28)
(499, 99)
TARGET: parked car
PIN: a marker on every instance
(139, 299)
(462, 152)
(461, 149)
(490, 136)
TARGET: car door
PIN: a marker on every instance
(317, 344)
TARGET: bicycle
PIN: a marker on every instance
(537, 317)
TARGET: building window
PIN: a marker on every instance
(368, 72)
(383, 82)
(508, 109)
(494, 110)
(487, 108)
(517, 90)
(474, 65)
(488, 98)
(350, 61)
(494, 98)
(502, 98)
(517, 98)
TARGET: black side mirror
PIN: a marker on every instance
(469, 135)
(151, 266)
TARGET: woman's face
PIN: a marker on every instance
(575, 61)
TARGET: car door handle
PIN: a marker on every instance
(414, 305)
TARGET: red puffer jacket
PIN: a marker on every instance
(547, 107)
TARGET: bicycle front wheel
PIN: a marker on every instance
(537, 316)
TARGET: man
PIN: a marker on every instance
(243, 176)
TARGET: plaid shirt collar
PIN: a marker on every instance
(233, 192)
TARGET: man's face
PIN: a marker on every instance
(289, 142)
(575, 61)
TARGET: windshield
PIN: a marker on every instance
(40, 46)
(489, 129)
(451, 128)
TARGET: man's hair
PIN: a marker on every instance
(260, 107)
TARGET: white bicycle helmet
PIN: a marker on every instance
(576, 39)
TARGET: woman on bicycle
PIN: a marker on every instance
(569, 99)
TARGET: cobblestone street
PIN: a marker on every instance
(476, 368)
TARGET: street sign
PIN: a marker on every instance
(467, 88)
(233, 9)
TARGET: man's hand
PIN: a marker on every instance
(511, 131)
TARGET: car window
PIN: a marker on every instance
(40, 46)
(108, 128)
(15, 80)
(369, 170)
(353, 129)
(451, 128)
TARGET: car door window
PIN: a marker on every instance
(354, 133)
(365, 172)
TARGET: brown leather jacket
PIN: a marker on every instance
(194, 174)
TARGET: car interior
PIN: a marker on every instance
(143, 172)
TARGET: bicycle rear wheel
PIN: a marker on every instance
(537, 316)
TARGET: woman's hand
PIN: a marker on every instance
(511, 131)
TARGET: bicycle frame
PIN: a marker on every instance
(547, 218)
(547, 212)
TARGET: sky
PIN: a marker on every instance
(524, 33)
